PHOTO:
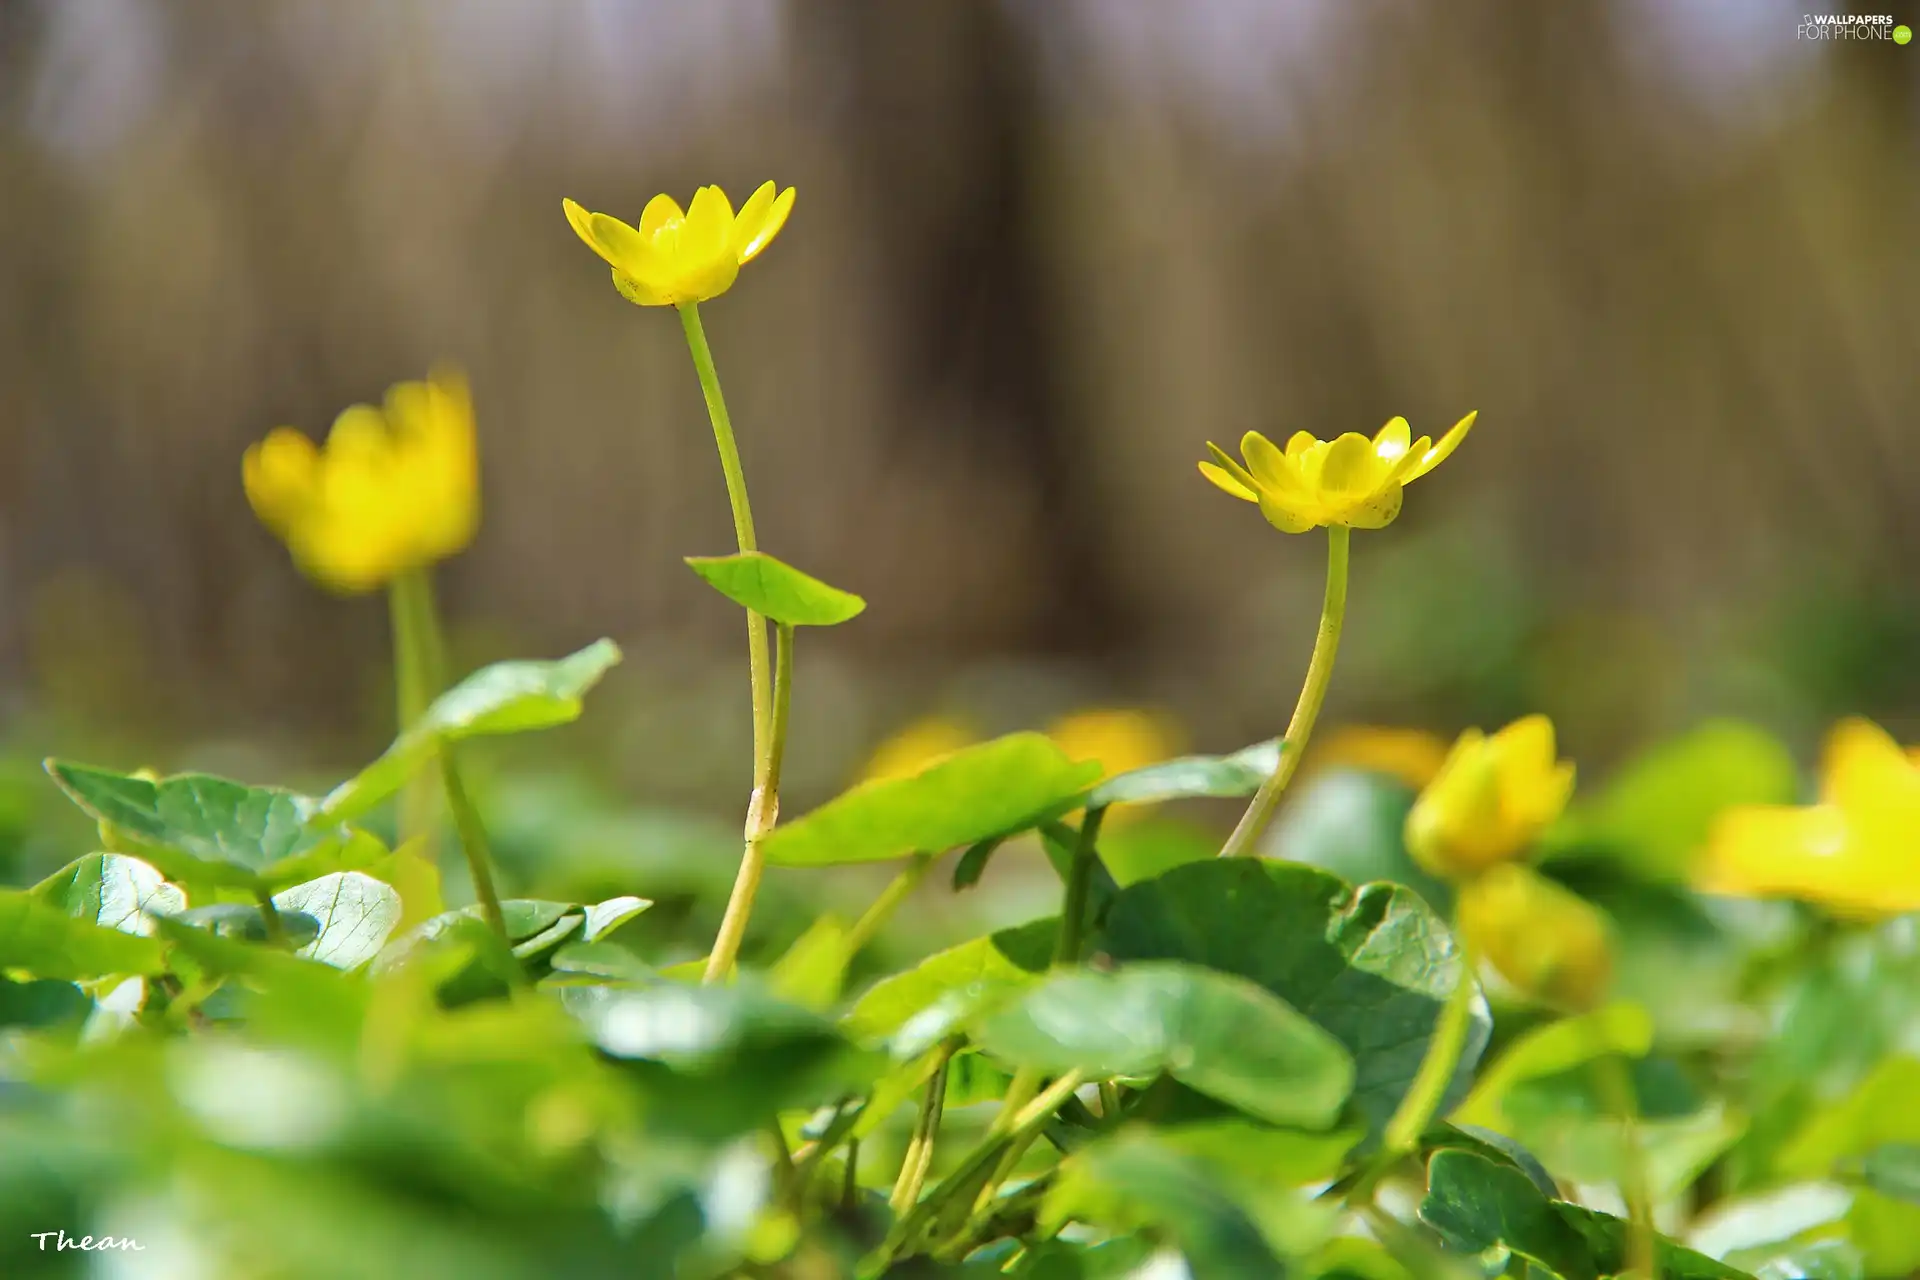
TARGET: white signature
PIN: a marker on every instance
(64, 1241)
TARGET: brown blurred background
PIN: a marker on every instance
(1041, 253)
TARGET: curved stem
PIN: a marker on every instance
(1073, 905)
(763, 810)
(270, 920)
(420, 662)
(769, 708)
(1333, 613)
(1429, 1087)
(890, 898)
(919, 1157)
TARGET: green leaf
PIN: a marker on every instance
(507, 697)
(355, 914)
(1654, 814)
(111, 890)
(604, 917)
(1373, 965)
(916, 1008)
(550, 937)
(1551, 1049)
(1007, 784)
(811, 971)
(1187, 777)
(1132, 1183)
(1284, 1157)
(41, 1002)
(1223, 1036)
(49, 943)
(602, 960)
(246, 922)
(755, 580)
(1476, 1204)
(197, 827)
(1893, 1169)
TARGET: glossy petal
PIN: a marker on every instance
(1286, 517)
(1865, 768)
(709, 224)
(1444, 450)
(1271, 470)
(279, 476)
(1225, 480)
(1391, 441)
(1375, 512)
(1299, 442)
(1346, 469)
(776, 218)
(1228, 463)
(642, 295)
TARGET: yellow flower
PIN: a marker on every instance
(394, 489)
(918, 746)
(1119, 738)
(675, 257)
(1551, 944)
(1856, 852)
(1350, 481)
(1414, 756)
(1491, 798)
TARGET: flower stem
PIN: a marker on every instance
(919, 1157)
(1616, 1086)
(763, 810)
(271, 922)
(1423, 1097)
(1326, 644)
(420, 663)
(1073, 906)
(769, 714)
(890, 898)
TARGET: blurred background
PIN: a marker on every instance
(1042, 252)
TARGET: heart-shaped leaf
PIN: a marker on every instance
(507, 697)
(918, 1007)
(1007, 784)
(111, 890)
(1372, 965)
(755, 580)
(1224, 1036)
(355, 913)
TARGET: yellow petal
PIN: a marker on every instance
(1390, 442)
(1299, 442)
(1231, 466)
(709, 224)
(1271, 470)
(1864, 767)
(662, 211)
(630, 250)
(1811, 853)
(359, 436)
(1345, 469)
(642, 295)
(1444, 450)
(1377, 511)
(776, 218)
(278, 473)
(582, 223)
(1286, 515)
(1225, 479)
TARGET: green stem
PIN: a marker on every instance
(1326, 644)
(1005, 1131)
(919, 1157)
(769, 715)
(416, 682)
(763, 810)
(270, 919)
(1073, 905)
(890, 898)
(420, 666)
(1616, 1086)
(473, 843)
(1423, 1098)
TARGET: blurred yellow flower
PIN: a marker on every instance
(924, 742)
(1856, 852)
(1413, 756)
(394, 489)
(1119, 738)
(1351, 481)
(1551, 944)
(1489, 801)
(674, 257)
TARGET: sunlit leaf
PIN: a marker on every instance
(755, 580)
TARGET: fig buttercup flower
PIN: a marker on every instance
(1349, 481)
(1854, 852)
(674, 257)
(1412, 756)
(394, 488)
(1121, 739)
(1491, 799)
(1548, 942)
